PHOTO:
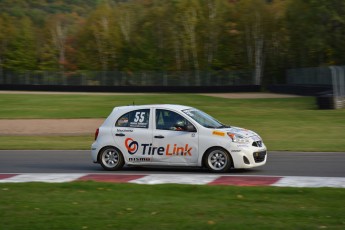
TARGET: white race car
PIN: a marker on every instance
(174, 135)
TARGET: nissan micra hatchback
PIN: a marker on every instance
(174, 135)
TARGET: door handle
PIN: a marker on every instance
(160, 136)
(119, 134)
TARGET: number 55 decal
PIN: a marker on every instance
(139, 117)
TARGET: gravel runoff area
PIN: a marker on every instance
(26, 127)
(85, 126)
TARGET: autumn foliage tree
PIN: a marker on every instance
(202, 37)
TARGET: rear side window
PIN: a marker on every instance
(134, 119)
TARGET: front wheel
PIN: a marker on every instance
(217, 160)
(111, 159)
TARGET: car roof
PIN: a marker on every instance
(159, 106)
(119, 110)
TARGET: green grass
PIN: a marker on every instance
(90, 205)
(285, 124)
(83, 106)
(293, 124)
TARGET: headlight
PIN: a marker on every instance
(238, 138)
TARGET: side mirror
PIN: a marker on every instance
(190, 128)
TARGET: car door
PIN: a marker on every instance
(132, 135)
(175, 139)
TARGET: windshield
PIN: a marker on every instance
(204, 119)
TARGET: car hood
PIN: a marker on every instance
(243, 132)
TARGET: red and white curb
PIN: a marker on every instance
(286, 181)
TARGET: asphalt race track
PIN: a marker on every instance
(315, 164)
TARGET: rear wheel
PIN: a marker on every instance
(111, 159)
(217, 160)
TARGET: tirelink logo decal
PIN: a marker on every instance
(147, 149)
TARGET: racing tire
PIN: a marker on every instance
(217, 160)
(111, 158)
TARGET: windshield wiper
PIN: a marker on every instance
(223, 126)
(217, 127)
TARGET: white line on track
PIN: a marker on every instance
(43, 177)
(175, 179)
(311, 182)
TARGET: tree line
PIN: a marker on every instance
(264, 36)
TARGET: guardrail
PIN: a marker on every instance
(117, 78)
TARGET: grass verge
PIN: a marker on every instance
(91, 205)
(293, 124)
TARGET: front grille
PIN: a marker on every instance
(259, 156)
(257, 143)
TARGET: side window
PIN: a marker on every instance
(134, 119)
(168, 120)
